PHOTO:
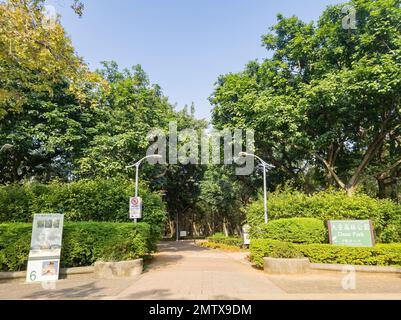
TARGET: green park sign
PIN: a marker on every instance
(358, 233)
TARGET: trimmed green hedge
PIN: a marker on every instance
(222, 239)
(296, 230)
(84, 200)
(379, 255)
(83, 243)
(330, 205)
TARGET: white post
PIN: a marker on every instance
(136, 165)
(265, 190)
(136, 183)
(264, 164)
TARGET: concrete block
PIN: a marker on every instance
(111, 270)
(286, 266)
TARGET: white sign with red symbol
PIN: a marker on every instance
(135, 208)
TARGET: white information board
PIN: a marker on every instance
(44, 255)
(135, 208)
(245, 230)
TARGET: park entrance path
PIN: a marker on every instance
(182, 270)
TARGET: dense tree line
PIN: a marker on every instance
(325, 108)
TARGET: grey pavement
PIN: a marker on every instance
(185, 271)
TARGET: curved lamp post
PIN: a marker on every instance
(265, 166)
(136, 165)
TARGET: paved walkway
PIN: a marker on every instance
(185, 271)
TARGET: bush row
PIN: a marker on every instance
(84, 200)
(330, 205)
(222, 239)
(83, 243)
(380, 255)
(296, 230)
(215, 245)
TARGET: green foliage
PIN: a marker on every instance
(380, 255)
(330, 205)
(295, 230)
(260, 248)
(222, 246)
(83, 243)
(47, 95)
(223, 193)
(84, 200)
(222, 239)
(328, 98)
(132, 107)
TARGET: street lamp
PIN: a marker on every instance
(136, 165)
(265, 166)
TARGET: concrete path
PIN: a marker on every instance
(185, 271)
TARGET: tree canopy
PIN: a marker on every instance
(329, 98)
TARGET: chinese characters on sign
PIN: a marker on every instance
(44, 254)
(358, 233)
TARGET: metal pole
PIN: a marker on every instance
(136, 182)
(136, 165)
(136, 179)
(264, 164)
(265, 190)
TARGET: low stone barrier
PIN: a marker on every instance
(357, 268)
(101, 269)
(286, 266)
(63, 272)
(303, 265)
(111, 270)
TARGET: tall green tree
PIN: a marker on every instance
(130, 108)
(46, 95)
(328, 98)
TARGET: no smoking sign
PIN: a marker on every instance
(135, 208)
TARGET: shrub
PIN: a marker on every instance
(261, 248)
(83, 243)
(330, 205)
(380, 255)
(84, 200)
(296, 230)
(222, 239)
(222, 246)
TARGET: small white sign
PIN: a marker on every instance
(135, 208)
(183, 234)
(43, 270)
(44, 254)
(247, 239)
(245, 230)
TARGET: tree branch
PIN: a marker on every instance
(384, 174)
(332, 172)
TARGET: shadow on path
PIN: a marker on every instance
(171, 252)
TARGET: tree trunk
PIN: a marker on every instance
(171, 225)
(382, 189)
(225, 228)
(350, 191)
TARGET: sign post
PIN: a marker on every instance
(245, 230)
(356, 233)
(135, 208)
(44, 254)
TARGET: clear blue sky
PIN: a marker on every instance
(183, 45)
